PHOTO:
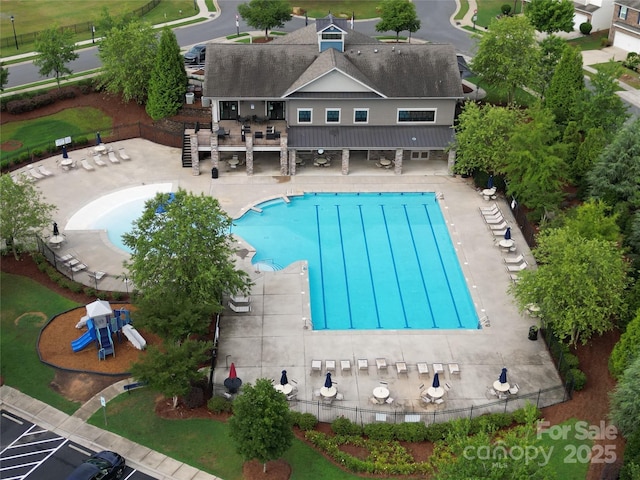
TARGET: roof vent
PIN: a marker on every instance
(358, 52)
(393, 48)
(375, 50)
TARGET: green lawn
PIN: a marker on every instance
(202, 443)
(339, 8)
(44, 130)
(28, 16)
(19, 363)
(568, 454)
(589, 42)
(489, 9)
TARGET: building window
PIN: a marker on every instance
(305, 115)
(361, 115)
(623, 12)
(332, 36)
(419, 155)
(416, 116)
(333, 115)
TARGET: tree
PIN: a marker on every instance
(579, 284)
(397, 16)
(181, 247)
(482, 138)
(128, 55)
(591, 220)
(4, 76)
(171, 370)
(508, 55)
(265, 14)
(625, 407)
(536, 170)
(55, 49)
(615, 178)
(566, 87)
(551, 16)
(600, 106)
(168, 79)
(174, 319)
(627, 349)
(551, 48)
(588, 153)
(261, 423)
(23, 213)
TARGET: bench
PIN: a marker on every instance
(133, 386)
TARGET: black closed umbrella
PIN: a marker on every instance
(328, 383)
(283, 379)
(56, 232)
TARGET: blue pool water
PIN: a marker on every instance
(120, 221)
(376, 260)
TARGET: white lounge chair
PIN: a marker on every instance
(97, 275)
(423, 368)
(316, 365)
(499, 233)
(381, 363)
(517, 268)
(79, 267)
(45, 171)
(86, 165)
(345, 365)
(515, 260)
(113, 158)
(491, 209)
(363, 364)
(494, 220)
(34, 173)
(123, 154)
(401, 367)
(501, 226)
(330, 365)
(454, 369)
(98, 161)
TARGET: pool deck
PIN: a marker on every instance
(277, 333)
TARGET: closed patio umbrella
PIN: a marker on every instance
(98, 139)
(56, 232)
(503, 375)
(490, 182)
(232, 382)
(436, 381)
(283, 379)
(64, 152)
(507, 234)
(328, 383)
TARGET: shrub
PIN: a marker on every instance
(437, 431)
(520, 415)
(579, 378)
(585, 28)
(219, 405)
(344, 426)
(605, 42)
(380, 431)
(505, 9)
(307, 422)
(36, 152)
(116, 296)
(490, 422)
(631, 466)
(632, 61)
(411, 432)
(75, 287)
(195, 398)
(90, 292)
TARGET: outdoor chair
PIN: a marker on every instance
(86, 165)
(34, 173)
(97, 275)
(363, 364)
(514, 389)
(514, 278)
(123, 154)
(499, 233)
(401, 367)
(491, 208)
(339, 396)
(345, 365)
(316, 393)
(454, 369)
(316, 365)
(438, 368)
(98, 161)
(517, 268)
(381, 363)
(500, 226)
(423, 368)
(494, 220)
(438, 401)
(79, 267)
(330, 365)
(389, 401)
(381, 417)
(45, 171)
(515, 260)
(113, 158)
(447, 386)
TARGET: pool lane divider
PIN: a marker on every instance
(344, 266)
(366, 249)
(324, 302)
(444, 270)
(395, 267)
(415, 251)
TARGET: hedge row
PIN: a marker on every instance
(29, 104)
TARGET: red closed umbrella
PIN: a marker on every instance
(232, 371)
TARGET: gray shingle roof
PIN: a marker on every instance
(370, 137)
(635, 4)
(274, 69)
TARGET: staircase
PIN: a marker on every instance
(187, 161)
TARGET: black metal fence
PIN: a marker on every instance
(84, 27)
(328, 412)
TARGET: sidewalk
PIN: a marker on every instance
(75, 429)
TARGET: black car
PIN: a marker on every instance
(103, 465)
(195, 56)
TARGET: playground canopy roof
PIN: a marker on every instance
(98, 308)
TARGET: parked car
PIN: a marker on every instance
(195, 56)
(103, 465)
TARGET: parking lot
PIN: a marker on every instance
(28, 451)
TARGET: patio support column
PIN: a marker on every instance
(249, 153)
(195, 159)
(345, 161)
(283, 156)
(398, 162)
(451, 161)
(292, 162)
(215, 153)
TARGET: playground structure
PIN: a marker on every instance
(102, 322)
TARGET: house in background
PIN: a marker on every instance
(625, 27)
(596, 12)
(328, 93)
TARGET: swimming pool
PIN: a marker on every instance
(376, 260)
(116, 212)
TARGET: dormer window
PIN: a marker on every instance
(332, 36)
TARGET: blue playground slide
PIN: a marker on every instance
(106, 343)
(86, 339)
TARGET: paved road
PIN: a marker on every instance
(436, 27)
(30, 452)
